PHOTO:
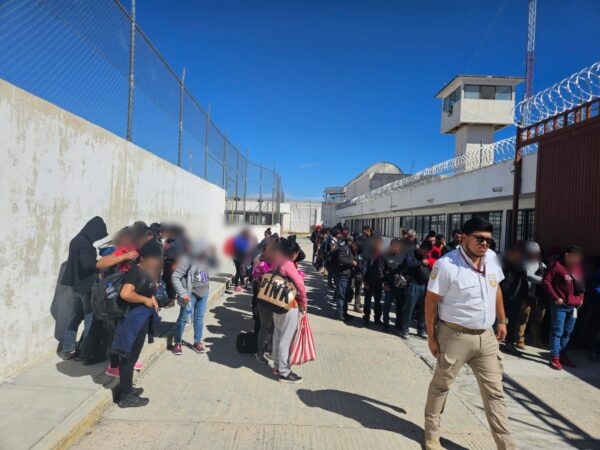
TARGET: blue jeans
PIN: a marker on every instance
(394, 295)
(343, 294)
(82, 310)
(415, 298)
(199, 308)
(563, 322)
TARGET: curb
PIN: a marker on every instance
(85, 415)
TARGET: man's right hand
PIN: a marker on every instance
(560, 301)
(434, 347)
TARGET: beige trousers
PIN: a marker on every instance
(482, 354)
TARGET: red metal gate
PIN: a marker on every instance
(567, 197)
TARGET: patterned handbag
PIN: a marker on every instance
(277, 292)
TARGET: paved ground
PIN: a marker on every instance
(366, 390)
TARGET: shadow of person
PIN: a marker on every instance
(63, 304)
(368, 412)
(233, 316)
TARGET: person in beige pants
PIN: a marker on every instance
(461, 306)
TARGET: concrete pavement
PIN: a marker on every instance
(366, 390)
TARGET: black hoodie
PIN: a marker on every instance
(80, 271)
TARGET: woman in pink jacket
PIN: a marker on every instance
(286, 323)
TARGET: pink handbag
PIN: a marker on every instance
(302, 348)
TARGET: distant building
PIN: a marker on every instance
(332, 197)
(478, 181)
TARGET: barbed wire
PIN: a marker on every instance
(497, 152)
(573, 91)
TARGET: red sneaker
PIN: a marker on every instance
(555, 363)
(198, 347)
(177, 349)
(566, 361)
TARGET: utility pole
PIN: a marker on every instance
(518, 163)
(206, 125)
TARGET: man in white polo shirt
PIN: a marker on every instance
(462, 304)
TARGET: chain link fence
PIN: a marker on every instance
(92, 59)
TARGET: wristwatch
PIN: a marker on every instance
(503, 322)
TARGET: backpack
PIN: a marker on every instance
(247, 342)
(105, 299)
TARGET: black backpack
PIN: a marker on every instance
(106, 301)
(247, 342)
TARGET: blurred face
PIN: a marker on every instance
(533, 257)
(378, 246)
(431, 239)
(367, 232)
(411, 238)
(152, 266)
(513, 256)
(395, 248)
(572, 259)
(457, 237)
(477, 243)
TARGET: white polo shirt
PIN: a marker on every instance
(469, 293)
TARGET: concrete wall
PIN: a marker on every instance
(56, 172)
(302, 215)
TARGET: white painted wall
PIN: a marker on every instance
(302, 215)
(471, 188)
(56, 172)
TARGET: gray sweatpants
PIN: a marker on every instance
(285, 328)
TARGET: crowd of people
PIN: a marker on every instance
(543, 294)
(144, 268)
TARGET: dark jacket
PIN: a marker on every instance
(390, 265)
(514, 286)
(80, 271)
(559, 282)
(417, 271)
(373, 276)
(344, 260)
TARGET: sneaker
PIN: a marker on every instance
(422, 334)
(566, 361)
(291, 378)
(404, 336)
(521, 345)
(177, 349)
(260, 357)
(131, 400)
(555, 363)
(68, 355)
(358, 309)
(137, 391)
(511, 349)
(237, 289)
(138, 366)
(112, 372)
(268, 356)
(198, 347)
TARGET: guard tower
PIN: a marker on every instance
(474, 108)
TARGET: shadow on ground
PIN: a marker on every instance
(368, 412)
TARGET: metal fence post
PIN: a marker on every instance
(206, 125)
(245, 184)
(225, 165)
(260, 196)
(237, 179)
(131, 71)
(181, 94)
(273, 196)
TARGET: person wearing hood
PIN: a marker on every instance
(80, 273)
(191, 282)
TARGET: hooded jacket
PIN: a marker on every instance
(80, 271)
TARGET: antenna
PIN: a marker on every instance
(530, 48)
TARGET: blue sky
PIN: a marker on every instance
(325, 88)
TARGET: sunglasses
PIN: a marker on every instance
(481, 239)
